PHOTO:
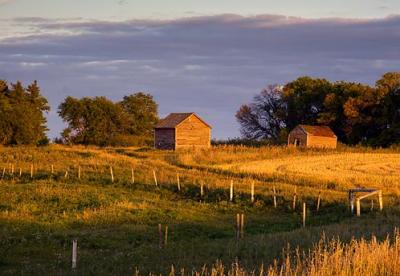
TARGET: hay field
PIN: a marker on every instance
(115, 219)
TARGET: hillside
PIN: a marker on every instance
(112, 201)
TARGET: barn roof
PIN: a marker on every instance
(324, 131)
(174, 119)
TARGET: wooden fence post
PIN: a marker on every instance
(275, 204)
(20, 172)
(31, 170)
(318, 201)
(242, 226)
(52, 169)
(112, 174)
(178, 183)
(79, 172)
(201, 189)
(155, 178)
(380, 200)
(132, 176)
(166, 236)
(252, 191)
(12, 170)
(74, 253)
(358, 207)
(66, 174)
(4, 172)
(231, 192)
(237, 226)
(160, 234)
(304, 214)
(294, 199)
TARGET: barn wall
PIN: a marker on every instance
(297, 133)
(164, 139)
(193, 132)
(321, 142)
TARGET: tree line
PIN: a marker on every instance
(90, 121)
(357, 113)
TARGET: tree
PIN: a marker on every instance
(96, 121)
(99, 121)
(264, 117)
(143, 112)
(22, 114)
(357, 113)
(304, 98)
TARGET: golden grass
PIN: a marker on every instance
(321, 169)
(328, 258)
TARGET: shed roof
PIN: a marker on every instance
(323, 131)
(174, 119)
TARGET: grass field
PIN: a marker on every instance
(44, 205)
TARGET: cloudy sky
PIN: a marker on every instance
(206, 56)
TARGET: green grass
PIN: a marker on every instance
(116, 223)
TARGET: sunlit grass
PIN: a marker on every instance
(116, 222)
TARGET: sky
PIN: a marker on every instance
(208, 57)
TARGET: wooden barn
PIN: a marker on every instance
(312, 136)
(179, 130)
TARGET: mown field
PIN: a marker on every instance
(44, 205)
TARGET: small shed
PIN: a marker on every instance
(313, 136)
(179, 130)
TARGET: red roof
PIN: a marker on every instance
(174, 119)
(324, 131)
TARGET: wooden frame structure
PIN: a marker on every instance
(357, 200)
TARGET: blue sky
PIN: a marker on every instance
(209, 57)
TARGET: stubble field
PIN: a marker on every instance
(52, 195)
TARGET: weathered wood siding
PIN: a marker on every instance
(192, 132)
(297, 134)
(321, 142)
(164, 138)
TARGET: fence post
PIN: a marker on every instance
(358, 206)
(155, 178)
(112, 174)
(160, 234)
(132, 176)
(242, 226)
(252, 191)
(237, 226)
(74, 253)
(20, 172)
(275, 204)
(178, 183)
(304, 214)
(4, 172)
(294, 198)
(380, 200)
(31, 170)
(52, 169)
(201, 189)
(318, 201)
(79, 172)
(166, 236)
(231, 191)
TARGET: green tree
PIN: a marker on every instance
(22, 114)
(357, 113)
(143, 111)
(96, 121)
